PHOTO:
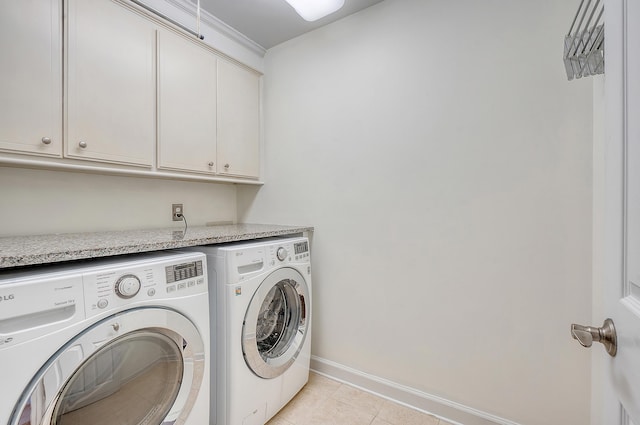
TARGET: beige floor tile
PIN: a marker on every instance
(322, 385)
(301, 408)
(334, 412)
(278, 421)
(324, 401)
(397, 414)
(378, 421)
(359, 399)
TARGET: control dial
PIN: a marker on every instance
(127, 286)
(281, 253)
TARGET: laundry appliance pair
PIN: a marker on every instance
(216, 334)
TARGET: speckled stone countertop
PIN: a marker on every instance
(30, 250)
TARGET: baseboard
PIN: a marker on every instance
(450, 411)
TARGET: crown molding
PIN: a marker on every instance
(215, 23)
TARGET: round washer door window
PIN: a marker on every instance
(142, 366)
(276, 323)
(134, 379)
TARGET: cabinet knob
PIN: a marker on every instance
(226, 166)
(210, 163)
(82, 144)
(46, 140)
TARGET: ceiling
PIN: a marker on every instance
(271, 22)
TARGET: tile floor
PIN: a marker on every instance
(324, 401)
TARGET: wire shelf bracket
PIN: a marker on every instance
(584, 43)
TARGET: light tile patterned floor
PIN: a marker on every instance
(324, 401)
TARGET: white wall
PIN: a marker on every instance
(598, 372)
(41, 202)
(445, 163)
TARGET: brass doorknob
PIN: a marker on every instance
(606, 335)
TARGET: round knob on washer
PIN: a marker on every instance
(127, 286)
(281, 253)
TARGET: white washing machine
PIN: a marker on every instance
(263, 318)
(119, 341)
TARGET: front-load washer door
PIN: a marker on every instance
(276, 323)
(142, 366)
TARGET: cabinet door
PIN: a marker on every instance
(186, 104)
(110, 83)
(31, 77)
(238, 120)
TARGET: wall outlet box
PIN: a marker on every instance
(176, 212)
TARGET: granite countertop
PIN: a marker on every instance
(30, 250)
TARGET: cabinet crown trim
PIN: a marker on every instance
(217, 24)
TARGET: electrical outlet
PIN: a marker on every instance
(176, 212)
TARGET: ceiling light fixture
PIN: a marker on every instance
(312, 10)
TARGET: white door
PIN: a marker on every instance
(621, 232)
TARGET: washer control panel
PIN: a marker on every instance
(301, 249)
(127, 286)
(282, 253)
(34, 301)
(294, 251)
(183, 271)
(246, 260)
(113, 288)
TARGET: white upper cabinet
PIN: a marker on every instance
(106, 86)
(186, 104)
(31, 77)
(238, 120)
(111, 86)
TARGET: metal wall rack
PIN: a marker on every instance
(584, 44)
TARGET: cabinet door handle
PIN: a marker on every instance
(46, 140)
(210, 163)
(82, 144)
(226, 166)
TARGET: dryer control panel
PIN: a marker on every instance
(111, 288)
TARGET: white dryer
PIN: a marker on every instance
(119, 341)
(263, 308)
